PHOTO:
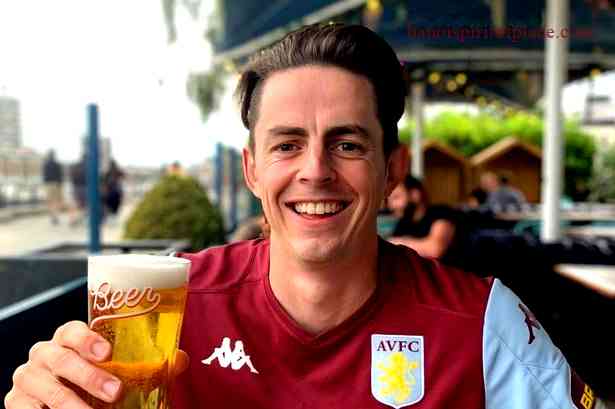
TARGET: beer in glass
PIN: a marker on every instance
(136, 302)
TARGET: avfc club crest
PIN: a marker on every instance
(398, 369)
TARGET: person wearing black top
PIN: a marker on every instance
(52, 177)
(432, 231)
(112, 188)
(79, 183)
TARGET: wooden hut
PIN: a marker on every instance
(519, 161)
(446, 173)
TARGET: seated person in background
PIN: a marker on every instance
(476, 199)
(429, 230)
(501, 196)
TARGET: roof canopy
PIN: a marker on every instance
(497, 44)
(422, 30)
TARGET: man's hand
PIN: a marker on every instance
(70, 355)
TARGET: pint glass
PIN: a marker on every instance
(136, 302)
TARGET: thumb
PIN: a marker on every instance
(181, 362)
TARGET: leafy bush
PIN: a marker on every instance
(602, 182)
(177, 208)
(470, 134)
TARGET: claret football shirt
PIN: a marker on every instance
(428, 337)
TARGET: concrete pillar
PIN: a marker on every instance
(418, 97)
(556, 68)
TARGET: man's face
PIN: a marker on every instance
(318, 165)
(489, 182)
(401, 198)
(398, 200)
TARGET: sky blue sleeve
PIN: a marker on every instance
(522, 367)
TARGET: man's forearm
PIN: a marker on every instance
(424, 246)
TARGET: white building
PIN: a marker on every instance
(599, 119)
(593, 103)
(10, 127)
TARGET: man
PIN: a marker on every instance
(52, 177)
(432, 231)
(439, 231)
(324, 313)
(111, 190)
(501, 197)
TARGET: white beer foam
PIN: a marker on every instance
(124, 271)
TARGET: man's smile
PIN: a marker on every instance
(318, 208)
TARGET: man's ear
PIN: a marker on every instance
(249, 171)
(397, 167)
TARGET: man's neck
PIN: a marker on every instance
(319, 297)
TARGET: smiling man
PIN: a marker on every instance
(324, 313)
(318, 166)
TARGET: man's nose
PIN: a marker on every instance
(317, 167)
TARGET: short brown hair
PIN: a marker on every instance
(351, 47)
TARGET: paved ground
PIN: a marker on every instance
(27, 233)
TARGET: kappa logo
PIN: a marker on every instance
(398, 369)
(530, 321)
(236, 358)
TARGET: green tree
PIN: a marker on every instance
(177, 207)
(168, 10)
(204, 88)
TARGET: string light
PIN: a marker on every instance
(496, 105)
(461, 78)
(451, 86)
(434, 78)
(374, 6)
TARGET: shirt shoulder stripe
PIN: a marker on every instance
(522, 368)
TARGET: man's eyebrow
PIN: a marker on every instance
(334, 131)
(347, 129)
(287, 130)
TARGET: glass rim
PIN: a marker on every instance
(144, 260)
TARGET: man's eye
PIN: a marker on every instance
(349, 147)
(285, 147)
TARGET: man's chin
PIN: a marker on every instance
(318, 250)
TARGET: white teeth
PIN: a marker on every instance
(318, 207)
